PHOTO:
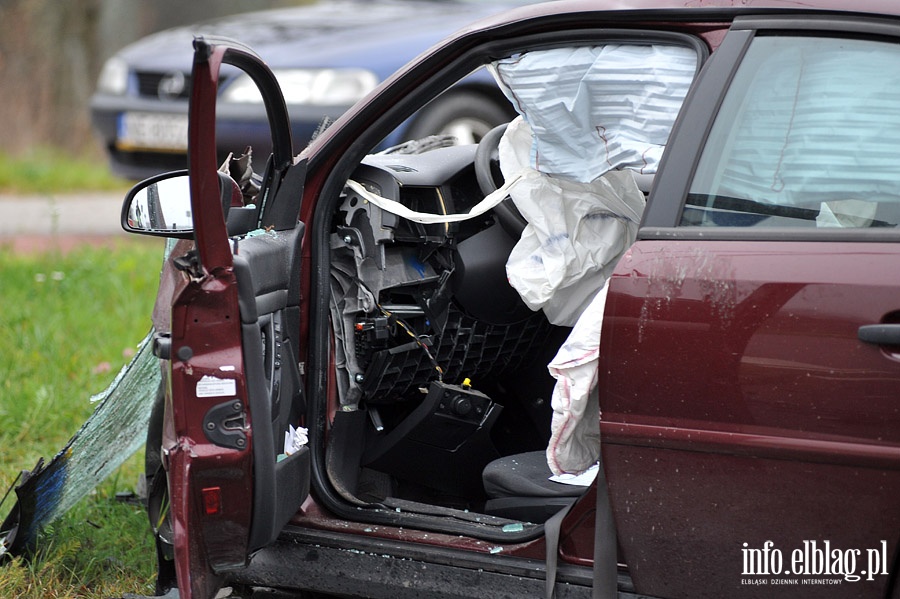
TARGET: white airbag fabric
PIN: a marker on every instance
(592, 117)
(574, 436)
(576, 232)
(595, 109)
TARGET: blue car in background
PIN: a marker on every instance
(326, 56)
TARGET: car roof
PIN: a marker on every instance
(698, 7)
(560, 14)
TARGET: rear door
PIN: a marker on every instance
(235, 385)
(750, 376)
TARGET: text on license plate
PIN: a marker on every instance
(153, 131)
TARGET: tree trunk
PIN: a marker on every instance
(46, 57)
(51, 52)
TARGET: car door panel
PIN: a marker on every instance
(740, 404)
(227, 495)
(235, 383)
(207, 509)
(750, 402)
(772, 322)
(263, 267)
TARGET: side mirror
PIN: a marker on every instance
(161, 206)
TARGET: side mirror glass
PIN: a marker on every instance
(160, 206)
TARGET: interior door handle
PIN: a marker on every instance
(880, 334)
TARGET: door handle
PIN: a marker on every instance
(880, 334)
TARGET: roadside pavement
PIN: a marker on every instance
(86, 213)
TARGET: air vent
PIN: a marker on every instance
(401, 168)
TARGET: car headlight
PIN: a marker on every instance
(113, 77)
(313, 87)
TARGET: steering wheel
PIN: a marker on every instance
(487, 172)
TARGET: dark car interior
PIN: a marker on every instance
(444, 358)
(443, 402)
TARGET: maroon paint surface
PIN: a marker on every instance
(740, 406)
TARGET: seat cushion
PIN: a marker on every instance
(524, 475)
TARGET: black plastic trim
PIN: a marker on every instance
(880, 334)
(263, 267)
(853, 24)
(676, 170)
(243, 57)
(356, 565)
(282, 212)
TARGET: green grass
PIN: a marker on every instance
(49, 170)
(68, 323)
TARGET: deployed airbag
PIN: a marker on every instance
(575, 235)
(591, 118)
(596, 109)
(574, 436)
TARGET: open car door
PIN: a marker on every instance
(235, 382)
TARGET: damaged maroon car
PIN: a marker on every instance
(384, 374)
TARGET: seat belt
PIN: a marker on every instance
(551, 537)
(605, 573)
(606, 558)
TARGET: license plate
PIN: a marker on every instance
(153, 131)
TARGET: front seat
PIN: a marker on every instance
(519, 488)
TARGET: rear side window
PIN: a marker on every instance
(808, 135)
